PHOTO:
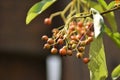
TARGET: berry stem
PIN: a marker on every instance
(55, 14)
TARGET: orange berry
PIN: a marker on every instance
(72, 27)
(45, 37)
(90, 33)
(63, 51)
(50, 41)
(78, 29)
(54, 50)
(80, 24)
(47, 21)
(78, 37)
(73, 37)
(81, 49)
(46, 46)
(60, 41)
(86, 60)
(89, 40)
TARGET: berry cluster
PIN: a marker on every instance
(71, 38)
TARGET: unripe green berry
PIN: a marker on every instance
(79, 55)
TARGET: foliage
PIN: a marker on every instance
(37, 9)
(79, 10)
(116, 72)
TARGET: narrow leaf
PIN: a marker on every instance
(116, 73)
(95, 5)
(102, 3)
(110, 17)
(97, 65)
(115, 36)
(111, 5)
(37, 9)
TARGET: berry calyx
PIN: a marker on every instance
(47, 21)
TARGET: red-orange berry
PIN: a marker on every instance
(78, 37)
(73, 37)
(88, 40)
(50, 41)
(63, 51)
(81, 49)
(86, 60)
(72, 27)
(46, 46)
(47, 21)
(60, 41)
(80, 24)
(45, 37)
(89, 24)
(54, 50)
(90, 33)
(78, 29)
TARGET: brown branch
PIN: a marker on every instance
(113, 9)
(117, 7)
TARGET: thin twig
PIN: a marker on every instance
(105, 12)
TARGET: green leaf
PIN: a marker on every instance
(95, 5)
(115, 36)
(116, 73)
(111, 5)
(110, 17)
(37, 9)
(97, 64)
(103, 3)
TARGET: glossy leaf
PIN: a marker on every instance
(37, 9)
(97, 64)
(116, 73)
